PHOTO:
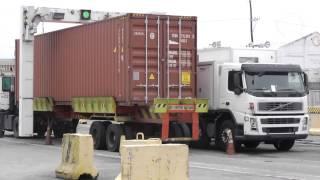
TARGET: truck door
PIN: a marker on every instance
(229, 99)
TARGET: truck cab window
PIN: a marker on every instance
(231, 84)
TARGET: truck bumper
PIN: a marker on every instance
(271, 137)
(272, 128)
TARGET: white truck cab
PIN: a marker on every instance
(258, 102)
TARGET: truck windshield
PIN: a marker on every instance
(283, 84)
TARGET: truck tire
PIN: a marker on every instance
(1, 133)
(128, 132)
(16, 127)
(204, 140)
(40, 133)
(251, 144)
(221, 140)
(284, 145)
(185, 130)
(58, 133)
(98, 133)
(114, 132)
(175, 130)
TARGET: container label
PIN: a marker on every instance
(136, 76)
(151, 77)
(152, 35)
(186, 78)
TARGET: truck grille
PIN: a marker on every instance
(280, 130)
(280, 106)
(280, 120)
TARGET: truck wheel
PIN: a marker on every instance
(128, 132)
(175, 130)
(222, 139)
(204, 140)
(16, 127)
(185, 130)
(40, 133)
(58, 133)
(284, 145)
(98, 133)
(1, 133)
(114, 132)
(251, 144)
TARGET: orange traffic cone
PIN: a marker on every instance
(230, 146)
(48, 134)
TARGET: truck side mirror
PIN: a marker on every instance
(306, 82)
(237, 82)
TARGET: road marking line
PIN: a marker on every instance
(242, 170)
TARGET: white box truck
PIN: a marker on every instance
(258, 102)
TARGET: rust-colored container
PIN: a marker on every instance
(134, 58)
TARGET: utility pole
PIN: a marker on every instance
(251, 20)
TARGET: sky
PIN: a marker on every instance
(278, 21)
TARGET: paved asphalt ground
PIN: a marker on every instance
(29, 159)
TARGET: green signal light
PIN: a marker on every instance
(85, 14)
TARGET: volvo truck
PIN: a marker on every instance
(257, 102)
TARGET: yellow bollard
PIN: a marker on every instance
(77, 157)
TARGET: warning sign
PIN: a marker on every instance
(186, 78)
(151, 77)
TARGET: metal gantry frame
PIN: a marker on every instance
(30, 19)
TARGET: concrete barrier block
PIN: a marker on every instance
(139, 141)
(314, 124)
(77, 157)
(154, 162)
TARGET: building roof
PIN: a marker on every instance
(304, 37)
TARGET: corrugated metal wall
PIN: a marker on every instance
(314, 98)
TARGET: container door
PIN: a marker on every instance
(145, 58)
(163, 57)
(180, 52)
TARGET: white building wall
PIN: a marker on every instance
(234, 54)
(305, 52)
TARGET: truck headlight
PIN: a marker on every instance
(305, 123)
(253, 123)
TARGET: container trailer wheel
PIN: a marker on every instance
(40, 133)
(284, 145)
(98, 132)
(114, 132)
(128, 132)
(185, 130)
(1, 133)
(16, 127)
(175, 130)
(58, 133)
(204, 140)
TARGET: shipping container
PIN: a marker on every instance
(128, 74)
(134, 58)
